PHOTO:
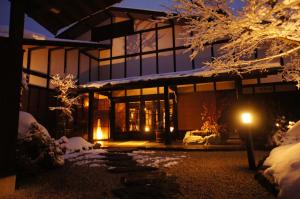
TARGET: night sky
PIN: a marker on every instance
(31, 25)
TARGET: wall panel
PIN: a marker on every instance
(84, 69)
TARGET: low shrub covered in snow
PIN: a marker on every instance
(283, 163)
(194, 137)
(35, 148)
(284, 133)
(74, 144)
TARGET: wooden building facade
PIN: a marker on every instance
(142, 69)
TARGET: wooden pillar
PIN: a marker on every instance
(238, 88)
(91, 117)
(167, 136)
(142, 116)
(175, 113)
(112, 118)
(11, 55)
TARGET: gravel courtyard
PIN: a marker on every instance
(207, 175)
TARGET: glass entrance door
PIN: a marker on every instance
(140, 120)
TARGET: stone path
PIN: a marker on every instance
(139, 182)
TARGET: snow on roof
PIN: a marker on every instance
(4, 31)
(204, 72)
(201, 72)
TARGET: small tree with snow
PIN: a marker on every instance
(66, 99)
(259, 23)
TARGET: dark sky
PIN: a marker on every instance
(31, 25)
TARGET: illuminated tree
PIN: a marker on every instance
(258, 24)
(66, 99)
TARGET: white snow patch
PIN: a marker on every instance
(143, 152)
(95, 165)
(284, 165)
(170, 164)
(151, 158)
(74, 144)
(91, 158)
(26, 120)
(92, 154)
(193, 137)
(4, 32)
(111, 168)
(284, 162)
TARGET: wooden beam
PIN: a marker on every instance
(167, 136)
(11, 55)
(91, 117)
(174, 45)
(112, 118)
(175, 112)
(65, 43)
(140, 54)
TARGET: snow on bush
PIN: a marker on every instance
(290, 135)
(74, 144)
(284, 162)
(193, 137)
(284, 165)
(25, 122)
(35, 148)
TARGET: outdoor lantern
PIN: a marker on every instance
(247, 120)
(147, 129)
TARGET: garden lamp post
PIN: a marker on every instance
(247, 120)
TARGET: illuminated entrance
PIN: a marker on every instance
(141, 120)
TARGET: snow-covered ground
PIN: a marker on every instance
(91, 158)
(95, 158)
(153, 159)
(284, 164)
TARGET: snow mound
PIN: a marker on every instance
(35, 148)
(193, 137)
(4, 32)
(284, 165)
(291, 136)
(74, 144)
(26, 120)
(294, 130)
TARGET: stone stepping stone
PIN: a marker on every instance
(117, 157)
(124, 163)
(119, 150)
(131, 169)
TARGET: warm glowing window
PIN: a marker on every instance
(120, 117)
(134, 116)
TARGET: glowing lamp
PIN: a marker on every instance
(86, 103)
(147, 129)
(171, 129)
(99, 133)
(246, 118)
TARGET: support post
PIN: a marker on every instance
(112, 118)
(11, 54)
(91, 117)
(175, 117)
(250, 150)
(167, 135)
(238, 88)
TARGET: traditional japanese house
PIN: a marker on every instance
(138, 81)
